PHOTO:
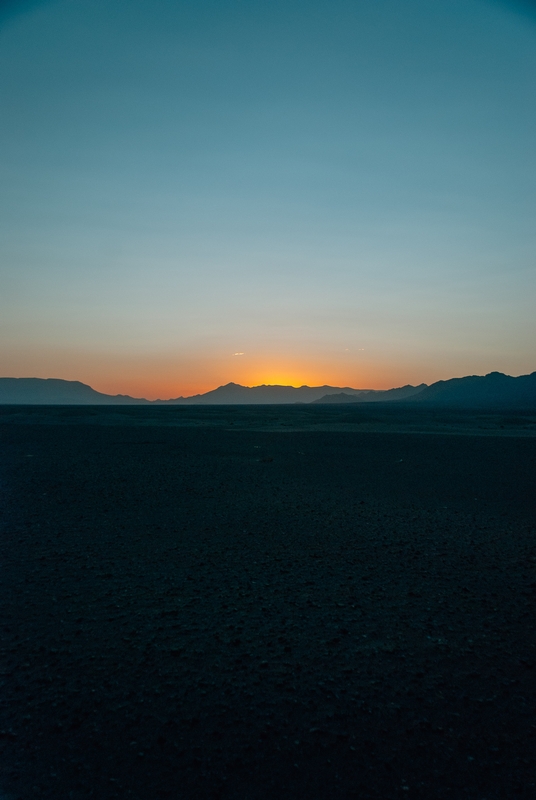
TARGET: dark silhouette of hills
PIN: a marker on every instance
(236, 394)
(494, 390)
(477, 391)
(373, 396)
(54, 391)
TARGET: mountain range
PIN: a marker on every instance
(494, 390)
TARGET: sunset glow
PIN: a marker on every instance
(163, 376)
(264, 194)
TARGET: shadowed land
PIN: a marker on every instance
(260, 602)
(358, 418)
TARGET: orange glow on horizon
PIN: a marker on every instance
(167, 378)
(168, 375)
(290, 374)
(164, 380)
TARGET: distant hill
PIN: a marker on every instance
(372, 396)
(54, 391)
(477, 391)
(493, 390)
(234, 393)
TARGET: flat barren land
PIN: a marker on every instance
(277, 602)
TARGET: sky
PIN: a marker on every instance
(332, 191)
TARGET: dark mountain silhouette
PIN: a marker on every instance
(477, 391)
(54, 391)
(234, 393)
(493, 390)
(373, 396)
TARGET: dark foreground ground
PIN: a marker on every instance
(238, 603)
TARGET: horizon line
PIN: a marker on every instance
(257, 386)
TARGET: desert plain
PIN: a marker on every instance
(267, 602)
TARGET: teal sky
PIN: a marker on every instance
(341, 192)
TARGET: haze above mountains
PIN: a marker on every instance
(492, 390)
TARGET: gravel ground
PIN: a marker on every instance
(216, 611)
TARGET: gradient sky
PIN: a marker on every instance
(342, 191)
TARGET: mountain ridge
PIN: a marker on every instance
(237, 394)
(374, 396)
(473, 391)
(482, 391)
(57, 391)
